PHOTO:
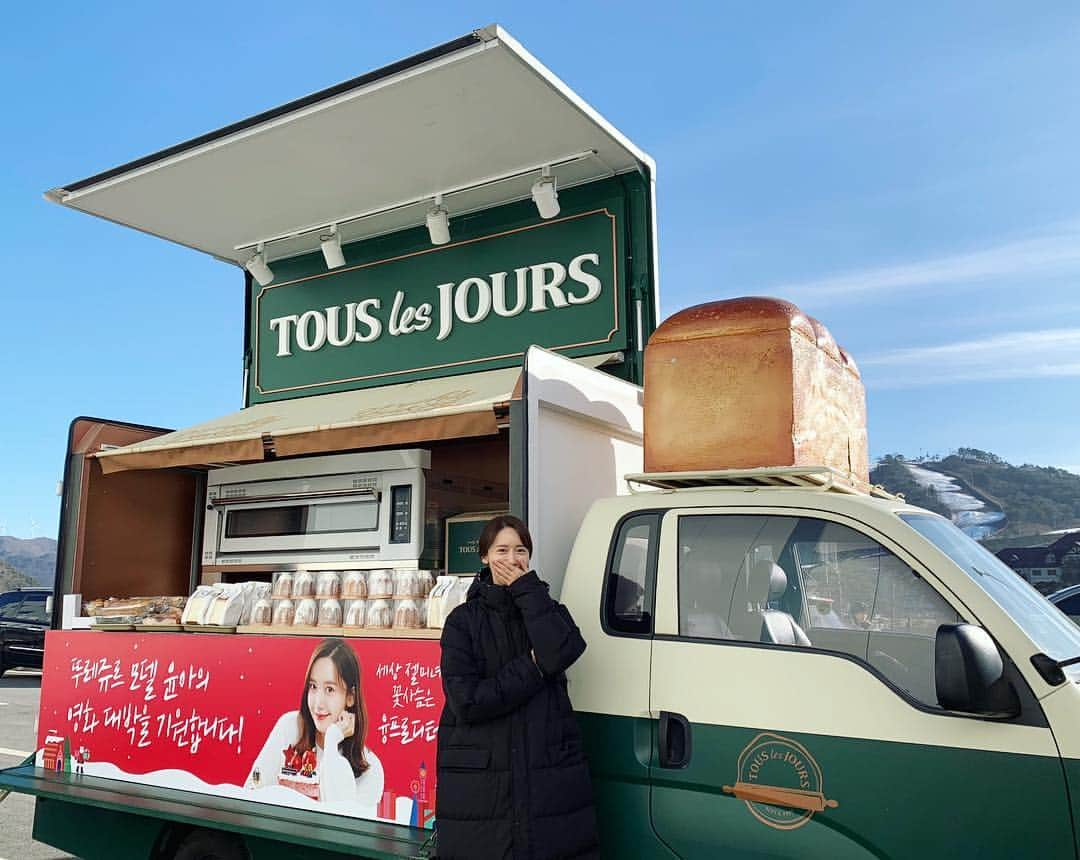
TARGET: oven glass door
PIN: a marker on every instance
(301, 525)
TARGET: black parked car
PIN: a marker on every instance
(23, 622)
(1068, 601)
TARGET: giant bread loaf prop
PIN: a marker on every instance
(751, 382)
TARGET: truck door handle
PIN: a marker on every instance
(675, 740)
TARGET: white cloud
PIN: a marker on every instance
(1055, 252)
(1014, 355)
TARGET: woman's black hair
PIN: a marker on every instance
(496, 525)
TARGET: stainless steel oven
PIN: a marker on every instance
(345, 508)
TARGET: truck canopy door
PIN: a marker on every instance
(136, 528)
(474, 119)
(582, 432)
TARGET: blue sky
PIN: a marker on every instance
(906, 173)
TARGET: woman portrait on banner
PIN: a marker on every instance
(319, 749)
(513, 781)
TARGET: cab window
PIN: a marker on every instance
(806, 582)
(631, 575)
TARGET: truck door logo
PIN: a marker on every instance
(780, 782)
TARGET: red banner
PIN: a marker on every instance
(346, 726)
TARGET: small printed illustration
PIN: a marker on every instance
(55, 753)
(417, 808)
(82, 756)
(298, 771)
(780, 781)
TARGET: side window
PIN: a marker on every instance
(9, 605)
(842, 569)
(800, 581)
(730, 572)
(32, 609)
(631, 575)
(904, 603)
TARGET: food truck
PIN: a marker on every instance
(450, 311)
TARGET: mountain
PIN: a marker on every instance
(892, 473)
(984, 494)
(35, 557)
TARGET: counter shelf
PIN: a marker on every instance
(290, 630)
(349, 632)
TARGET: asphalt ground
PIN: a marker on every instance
(19, 694)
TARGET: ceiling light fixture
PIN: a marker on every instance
(258, 268)
(331, 248)
(438, 223)
(544, 194)
(487, 182)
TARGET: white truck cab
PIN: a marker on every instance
(782, 666)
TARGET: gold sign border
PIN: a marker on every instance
(615, 297)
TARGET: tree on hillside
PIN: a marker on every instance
(978, 456)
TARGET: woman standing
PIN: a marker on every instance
(513, 781)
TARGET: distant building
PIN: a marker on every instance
(1046, 567)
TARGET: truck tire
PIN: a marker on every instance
(211, 845)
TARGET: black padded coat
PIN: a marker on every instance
(513, 782)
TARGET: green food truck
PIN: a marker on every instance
(451, 311)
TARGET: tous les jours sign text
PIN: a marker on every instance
(535, 288)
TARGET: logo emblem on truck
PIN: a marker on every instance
(780, 782)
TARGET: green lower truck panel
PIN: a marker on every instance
(107, 819)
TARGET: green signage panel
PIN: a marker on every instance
(463, 542)
(403, 309)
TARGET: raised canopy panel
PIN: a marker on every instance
(474, 119)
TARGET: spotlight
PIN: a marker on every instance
(331, 248)
(438, 223)
(258, 268)
(545, 196)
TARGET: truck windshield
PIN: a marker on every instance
(1050, 629)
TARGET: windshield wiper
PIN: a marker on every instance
(1050, 669)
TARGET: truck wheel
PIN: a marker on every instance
(211, 845)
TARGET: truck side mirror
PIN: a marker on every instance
(969, 673)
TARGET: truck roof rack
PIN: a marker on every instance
(813, 477)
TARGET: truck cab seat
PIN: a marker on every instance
(777, 626)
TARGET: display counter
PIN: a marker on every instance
(227, 716)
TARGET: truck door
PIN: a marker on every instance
(127, 533)
(581, 434)
(796, 714)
